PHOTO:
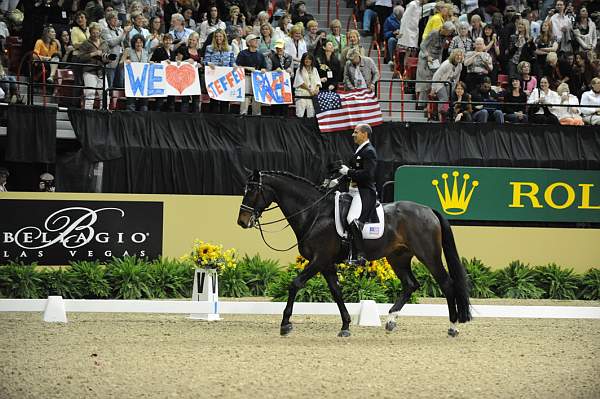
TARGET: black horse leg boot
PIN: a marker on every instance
(358, 257)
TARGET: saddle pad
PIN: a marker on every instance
(370, 231)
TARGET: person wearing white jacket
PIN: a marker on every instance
(295, 45)
(567, 115)
(540, 101)
(409, 26)
(307, 84)
(211, 25)
(591, 114)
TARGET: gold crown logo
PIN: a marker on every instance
(455, 203)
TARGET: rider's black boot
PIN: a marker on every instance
(357, 256)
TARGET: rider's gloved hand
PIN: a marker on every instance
(344, 170)
(333, 183)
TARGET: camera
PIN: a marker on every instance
(107, 57)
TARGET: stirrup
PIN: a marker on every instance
(357, 262)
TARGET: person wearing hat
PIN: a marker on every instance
(251, 59)
(3, 176)
(278, 60)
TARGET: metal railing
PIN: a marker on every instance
(44, 85)
(402, 85)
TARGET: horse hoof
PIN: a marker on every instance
(452, 332)
(390, 325)
(344, 333)
(286, 329)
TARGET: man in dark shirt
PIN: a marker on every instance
(486, 103)
(300, 14)
(251, 60)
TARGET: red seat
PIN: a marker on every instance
(503, 81)
(64, 90)
(410, 72)
(14, 47)
(399, 59)
(117, 99)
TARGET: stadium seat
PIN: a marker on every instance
(410, 72)
(14, 47)
(117, 100)
(399, 60)
(503, 81)
(64, 87)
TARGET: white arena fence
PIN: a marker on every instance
(365, 312)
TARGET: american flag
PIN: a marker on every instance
(345, 110)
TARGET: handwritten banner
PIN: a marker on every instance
(272, 87)
(161, 80)
(225, 83)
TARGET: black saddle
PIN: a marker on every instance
(344, 207)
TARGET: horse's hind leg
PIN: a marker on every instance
(433, 261)
(300, 281)
(400, 263)
(336, 291)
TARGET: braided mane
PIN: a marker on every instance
(292, 176)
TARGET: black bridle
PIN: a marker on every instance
(257, 212)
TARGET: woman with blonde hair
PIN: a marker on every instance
(568, 113)
(219, 54)
(295, 45)
(545, 44)
(449, 71)
(336, 37)
(353, 43)
(266, 43)
(436, 21)
(47, 49)
(311, 38)
(235, 18)
(518, 45)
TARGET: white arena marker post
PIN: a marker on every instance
(206, 289)
(368, 315)
(55, 310)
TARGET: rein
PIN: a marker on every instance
(258, 214)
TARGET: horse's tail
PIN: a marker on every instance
(457, 270)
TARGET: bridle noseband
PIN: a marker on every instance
(255, 211)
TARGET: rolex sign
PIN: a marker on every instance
(504, 194)
(56, 232)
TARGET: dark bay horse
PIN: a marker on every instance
(410, 230)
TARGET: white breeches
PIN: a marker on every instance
(356, 206)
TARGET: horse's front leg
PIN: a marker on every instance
(336, 291)
(300, 281)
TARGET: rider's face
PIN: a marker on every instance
(359, 136)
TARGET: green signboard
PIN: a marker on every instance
(503, 194)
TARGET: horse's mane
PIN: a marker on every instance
(293, 176)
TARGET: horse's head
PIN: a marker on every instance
(256, 199)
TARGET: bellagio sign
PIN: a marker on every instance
(56, 232)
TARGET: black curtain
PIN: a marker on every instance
(31, 132)
(151, 152)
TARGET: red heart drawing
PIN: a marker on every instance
(180, 77)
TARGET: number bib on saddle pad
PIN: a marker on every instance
(372, 230)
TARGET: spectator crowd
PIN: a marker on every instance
(517, 61)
